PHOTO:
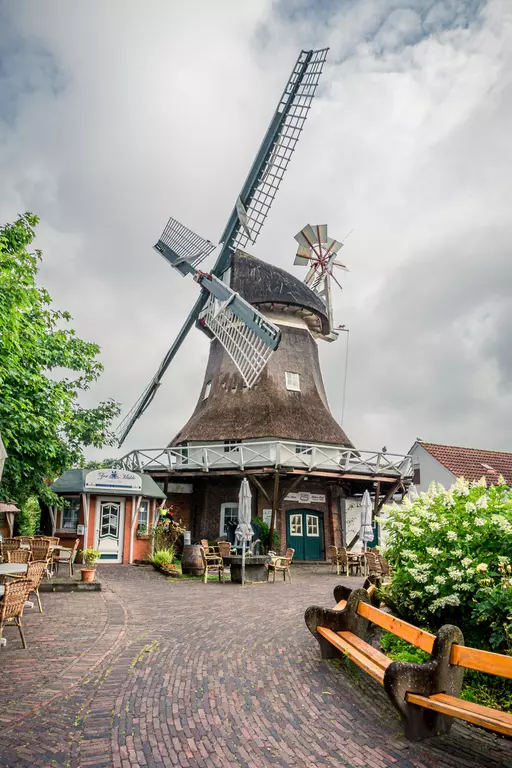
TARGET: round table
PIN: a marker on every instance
(6, 569)
(255, 570)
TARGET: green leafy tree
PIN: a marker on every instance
(28, 519)
(44, 367)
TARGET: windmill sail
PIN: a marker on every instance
(244, 225)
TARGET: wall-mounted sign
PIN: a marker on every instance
(267, 516)
(306, 498)
(112, 480)
(80, 530)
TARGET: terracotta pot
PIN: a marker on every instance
(88, 574)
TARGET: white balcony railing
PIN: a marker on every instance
(273, 454)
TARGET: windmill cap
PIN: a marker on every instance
(261, 283)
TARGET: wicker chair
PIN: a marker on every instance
(65, 557)
(338, 560)
(385, 567)
(282, 563)
(372, 564)
(212, 564)
(224, 548)
(41, 551)
(52, 540)
(19, 556)
(12, 604)
(35, 573)
(8, 545)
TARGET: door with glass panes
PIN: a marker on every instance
(304, 533)
(109, 529)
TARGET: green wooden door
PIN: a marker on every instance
(304, 533)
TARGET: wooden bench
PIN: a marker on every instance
(426, 695)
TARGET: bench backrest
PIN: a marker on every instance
(461, 655)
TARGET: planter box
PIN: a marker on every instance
(173, 573)
(144, 536)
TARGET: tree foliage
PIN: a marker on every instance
(44, 367)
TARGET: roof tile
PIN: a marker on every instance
(472, 463)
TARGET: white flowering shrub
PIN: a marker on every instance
(451, 555)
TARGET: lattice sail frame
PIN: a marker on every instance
(184, 244)
(296, 102)
(248, 351)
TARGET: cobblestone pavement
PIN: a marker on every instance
(151, 672)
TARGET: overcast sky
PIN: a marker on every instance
(115, 115)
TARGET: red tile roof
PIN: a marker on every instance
(472, 463)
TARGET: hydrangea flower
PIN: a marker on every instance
(451, 535)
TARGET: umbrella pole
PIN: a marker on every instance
(243, 562)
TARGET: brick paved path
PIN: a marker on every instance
(155, 673)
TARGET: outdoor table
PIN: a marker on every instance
(255, 570)
(9, 569)
(358, 557)
(25, 545)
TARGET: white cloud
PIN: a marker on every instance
(121, 114)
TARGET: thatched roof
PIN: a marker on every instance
(261, 283)
(268, 410)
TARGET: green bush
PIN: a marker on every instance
(264, 534)
(164, 556)
(450, 552)
(28, 519)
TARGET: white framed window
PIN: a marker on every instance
(143, 514)
(69, 513)
(295, 525)
(207, 390)
(304, 449)
(231, 445)
(312, 527)
(292, 381)
(228, 514)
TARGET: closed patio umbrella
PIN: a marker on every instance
(366, 531)
(244, 532)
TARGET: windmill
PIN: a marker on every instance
(318, 252)
(248, 337)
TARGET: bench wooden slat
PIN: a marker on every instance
(403, 629)
(369, 666)
(340, 606)
(483, 661)
(368, 650)
(477, 714)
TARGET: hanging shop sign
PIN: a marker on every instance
(267, 516)
(112, 480)
(306, 498)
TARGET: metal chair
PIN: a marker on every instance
(12, 604)
(65, 557)
(281, 563)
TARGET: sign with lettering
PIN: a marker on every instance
(267, 516)
(112, 480)
(180, 488)
(306, 498)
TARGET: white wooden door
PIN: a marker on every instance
(109, 529)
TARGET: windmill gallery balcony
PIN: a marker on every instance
(262, 455)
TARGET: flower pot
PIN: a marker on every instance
(88, 574)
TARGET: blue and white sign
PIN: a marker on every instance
(112, 480)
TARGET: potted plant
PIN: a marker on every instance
(90, 557)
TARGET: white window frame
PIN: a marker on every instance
(292, 381)
(231, 445)
(207, 389)
(144, 508)
(300, 518)
(66, 508)
(223, 507)
(317, 525)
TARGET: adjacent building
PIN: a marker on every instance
(433, 462)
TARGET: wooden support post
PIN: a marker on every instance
(260, 488)
(389, 494)
(292, 487)
(275, 502)
(377, 494)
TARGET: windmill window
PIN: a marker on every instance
(231, 445)
(306, 450)
(292, 381)
(207, 390)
